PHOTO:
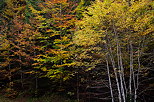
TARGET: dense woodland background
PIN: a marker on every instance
(77, 50)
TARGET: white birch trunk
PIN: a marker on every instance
(109, 78)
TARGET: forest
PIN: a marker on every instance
(76, 50)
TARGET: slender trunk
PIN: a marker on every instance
(36, 85)
(115, 70)
(120, 72)
(131, 71)
(78, 99)
(134, 83)
(137, 75)
(109, 78)
(10, 76)
(21, 74)
(119, 65)
(123, 76)
(116, 77)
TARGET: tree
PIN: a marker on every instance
(17, 46)
(115, 30)
(55, 22)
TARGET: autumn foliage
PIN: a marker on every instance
(69, 46)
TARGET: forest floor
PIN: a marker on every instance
(53, 98)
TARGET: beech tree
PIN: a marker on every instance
(17, 46)
(55, 26)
